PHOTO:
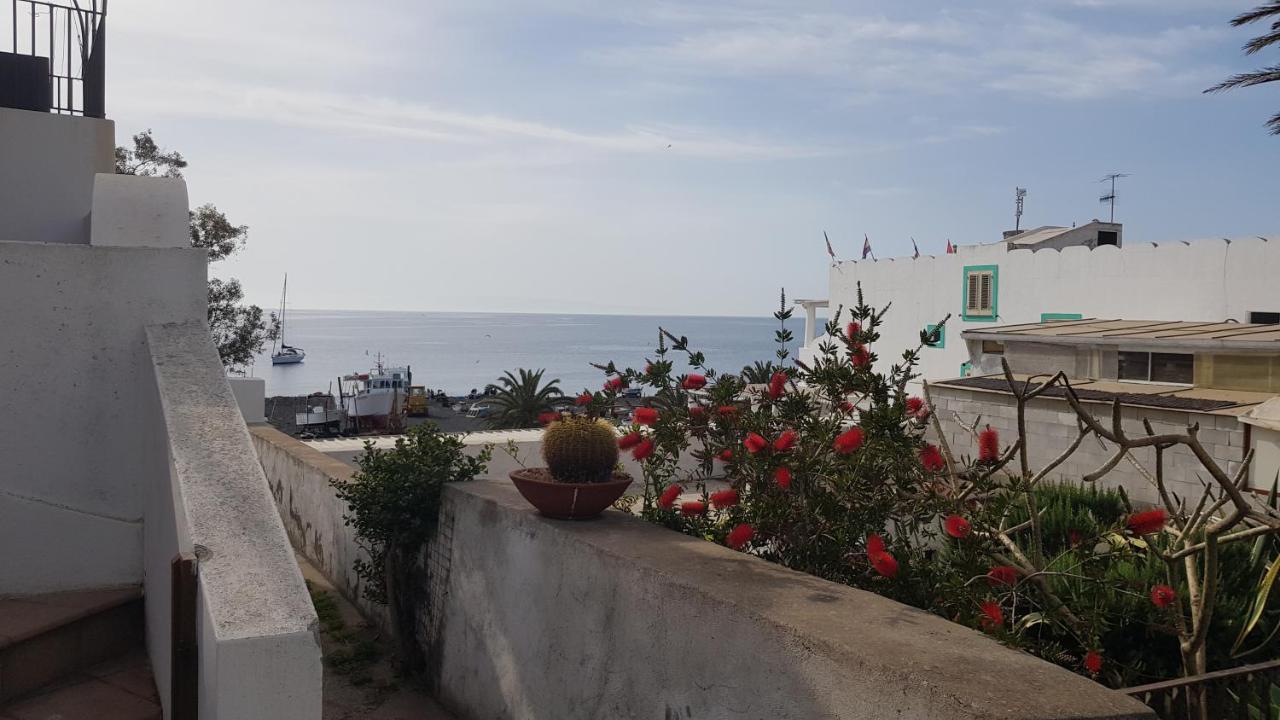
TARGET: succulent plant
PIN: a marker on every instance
(580, 449)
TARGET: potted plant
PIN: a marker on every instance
(581, 479)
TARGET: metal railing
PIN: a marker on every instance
(71, 35)
(1249, 692)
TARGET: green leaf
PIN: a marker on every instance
(1259, 604)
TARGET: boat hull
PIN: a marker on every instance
(289, 359)
(371, 409)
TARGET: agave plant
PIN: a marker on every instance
(521, 398)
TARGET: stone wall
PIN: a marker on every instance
(1051, 427)
(538, 619)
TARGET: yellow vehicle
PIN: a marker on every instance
(415, 405)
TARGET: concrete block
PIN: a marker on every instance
(130, 211)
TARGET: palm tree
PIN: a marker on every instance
(1266, 11)
(520, 400)
(758, 373)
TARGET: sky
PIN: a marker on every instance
(678, 157)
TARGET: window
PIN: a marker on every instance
(981, 290)
(1108, 237)
(942, 335)
(1265, 318)
(992, 347)
(1178, 368)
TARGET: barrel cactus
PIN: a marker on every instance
(580, 449)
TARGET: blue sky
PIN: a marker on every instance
(679, 157)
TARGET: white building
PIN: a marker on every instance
(1005, 283)
(136, 526)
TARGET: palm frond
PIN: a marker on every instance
(1258, 77)
(1263, 41)
(1261, 12)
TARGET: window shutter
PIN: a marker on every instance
(984, 303)
(971, 297)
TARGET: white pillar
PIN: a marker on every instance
(810, 321)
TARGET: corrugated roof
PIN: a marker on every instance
(1038, 235)
(1167, 397)
(1138, 332)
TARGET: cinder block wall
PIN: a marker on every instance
(1051, 427)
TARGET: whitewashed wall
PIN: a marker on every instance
(1206, 280)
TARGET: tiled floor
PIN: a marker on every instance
(120, 689)
(30, 615)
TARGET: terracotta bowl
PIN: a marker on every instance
(568, 501)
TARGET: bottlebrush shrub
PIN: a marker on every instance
(824, 456)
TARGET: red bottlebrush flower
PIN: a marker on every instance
(694, 381)
(724, 498)
(725, 455)
(1145, 523)
(915, 408)
(669, 495)
(727, 410)
(1162, 596)
(988, 446)
(846, 407)
(614, 384)
(931, 458)
(1002, 575)
(755, 443)
(739, 536)
(630, 440)
(645, 415)
(848, 441)
(777, 385)
(885, 564)
(1074, 537)
(643, 450)
(785, 441)
(875, 545)
(648, 368)
(1093, 662)
(584, 399)
(992, 617)
(957, 527)
(547, 418)
(852, 329)
(693, 507)
(697, 413)
(783, 477)
(860, 357)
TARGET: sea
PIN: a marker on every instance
(459, 352)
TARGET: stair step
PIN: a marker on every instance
(50, 637)
(119, 689)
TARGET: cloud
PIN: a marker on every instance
(940, 53)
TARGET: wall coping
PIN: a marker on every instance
(963, 673)
(249, 577)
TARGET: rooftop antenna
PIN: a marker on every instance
(1020, 195)
(1111, 196)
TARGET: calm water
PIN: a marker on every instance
(459, 351)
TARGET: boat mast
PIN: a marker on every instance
(283, 294)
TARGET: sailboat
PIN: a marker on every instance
(285, 354)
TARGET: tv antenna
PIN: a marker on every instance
(1019, 195)
(1110, 197)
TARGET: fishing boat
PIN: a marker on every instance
(372, 400)
(282, 354)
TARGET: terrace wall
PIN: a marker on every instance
(537, 619)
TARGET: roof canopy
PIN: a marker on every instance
(1092, 331)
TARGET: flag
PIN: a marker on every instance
(951, 249)
(830, 252)
(866, 247)
(915, 247)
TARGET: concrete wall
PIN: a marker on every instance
(1051, 426)
(135, 211)
(1266, 458)
(259, 647)
(47, 167)
(250, 394)
(76, 434)
(536, 619)
(1206, 280)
